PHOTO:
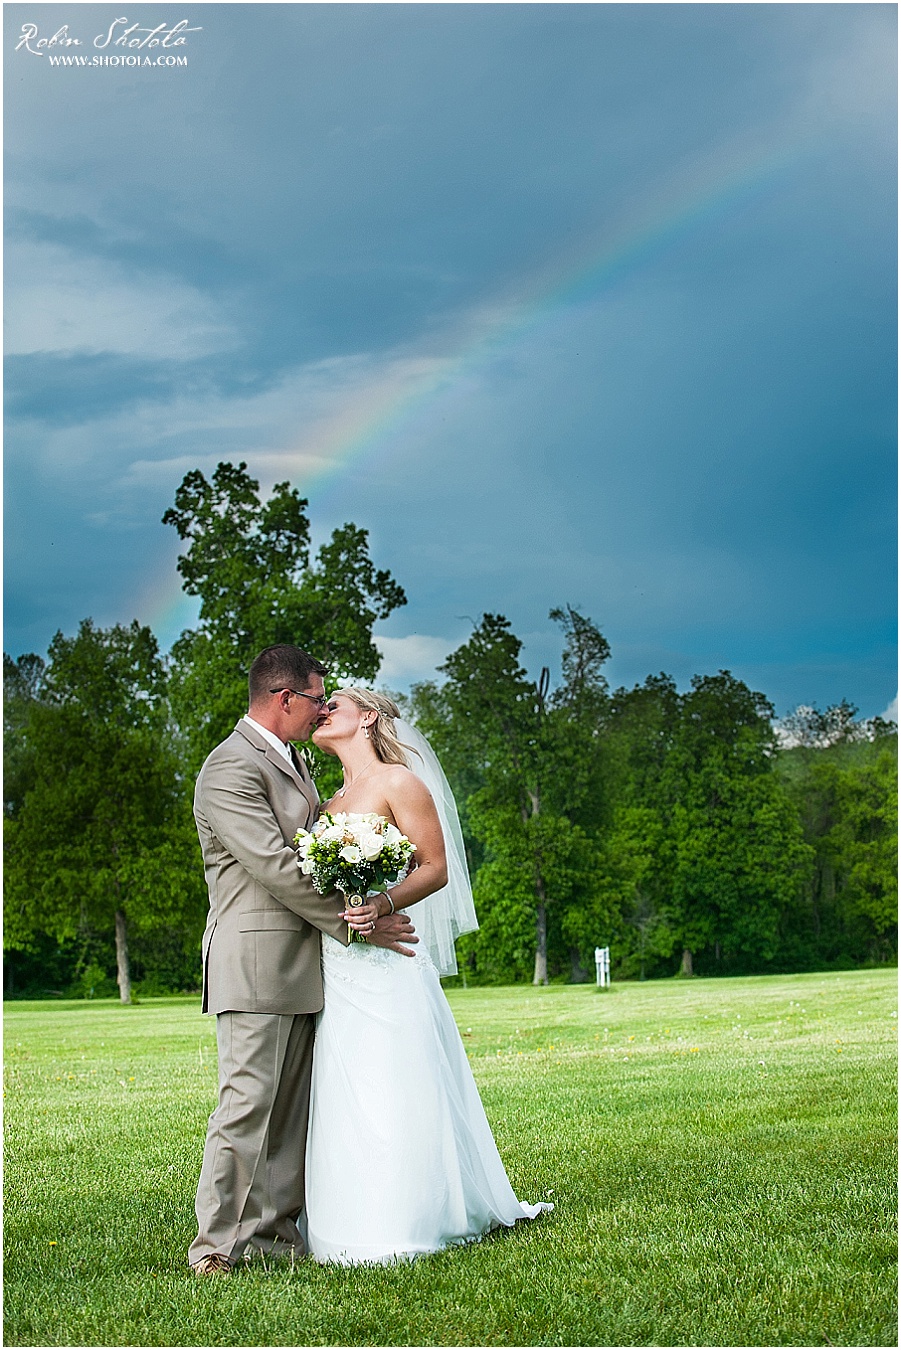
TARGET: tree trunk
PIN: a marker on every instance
(687, 968)
(540, 976)
(579, 974)
(123, 970)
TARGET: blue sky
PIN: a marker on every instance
(587, 303)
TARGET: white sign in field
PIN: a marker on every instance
(602, 966)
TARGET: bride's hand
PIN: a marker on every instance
(362, 917)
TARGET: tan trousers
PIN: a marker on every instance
(251, 1188)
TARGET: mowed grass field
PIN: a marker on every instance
(721, 1154)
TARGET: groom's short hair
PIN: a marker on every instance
(281, 667)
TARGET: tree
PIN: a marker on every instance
(640, 733)
(22, 681)
(865, 841)
(845, 795)
(739, 856)
(539, 868)
(248, 560)
(526, 757)
(810, 727)
(100, 833)
(491, 705)
(635, 883)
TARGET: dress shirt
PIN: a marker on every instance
(277, 744)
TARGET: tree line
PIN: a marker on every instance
(684, 830)
(687, 831)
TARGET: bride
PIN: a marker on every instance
(400, 1156)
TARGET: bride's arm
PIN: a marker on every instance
(414, 811)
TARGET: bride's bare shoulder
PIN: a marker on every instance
(398, 778)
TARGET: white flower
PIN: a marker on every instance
(350, 853)
(371, 845)
(393, 834)
(331, 832)
(307, 866)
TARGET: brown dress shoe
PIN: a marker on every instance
(217, 1264)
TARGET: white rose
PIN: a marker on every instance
(371, 846)
(350, 853)
(331, 832)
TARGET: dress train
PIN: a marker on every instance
(392, 1088)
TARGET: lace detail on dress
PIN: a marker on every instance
(342, 961)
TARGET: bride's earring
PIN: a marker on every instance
(366, 732)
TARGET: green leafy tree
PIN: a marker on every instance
(865, 840)
(545, 849)
(640, 734)
(845, 794)
(739, 855)
(248, 560)
(99, 834)
(22, 682)
(740, 863)
(490, 712)
(637, 845)
(525, 760)
(634, 889)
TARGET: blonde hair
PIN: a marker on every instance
(383, 737)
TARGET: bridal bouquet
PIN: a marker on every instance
(353, 853)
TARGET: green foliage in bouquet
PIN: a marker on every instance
(353, 853)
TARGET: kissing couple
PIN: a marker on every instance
(348, 1123)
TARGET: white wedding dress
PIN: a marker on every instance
(400, 1156)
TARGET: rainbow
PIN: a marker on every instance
(412, 393)
(163, 606)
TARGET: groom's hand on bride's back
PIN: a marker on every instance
(391, 930)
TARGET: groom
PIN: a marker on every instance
(261, 971)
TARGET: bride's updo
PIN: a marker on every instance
(382, 734)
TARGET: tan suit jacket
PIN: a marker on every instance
(261, 944)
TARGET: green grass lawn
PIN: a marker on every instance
(721, 1154)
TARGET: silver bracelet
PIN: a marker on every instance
(390, 902)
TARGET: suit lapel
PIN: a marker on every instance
(298, 775)
(304, 783)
